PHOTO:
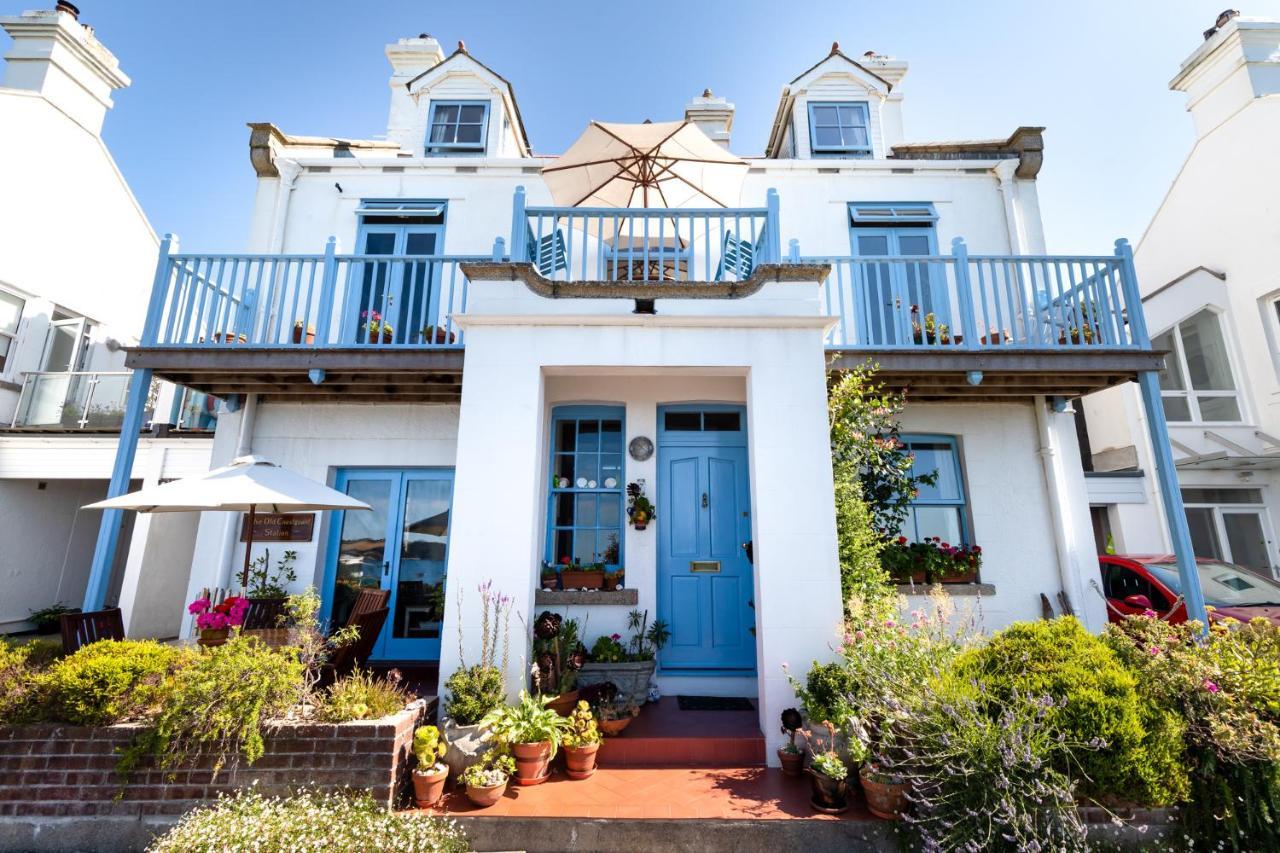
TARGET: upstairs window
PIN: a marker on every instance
(840, 129)
(10, 315)
(1196, 382)
(458, 127)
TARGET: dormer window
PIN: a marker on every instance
(458, 127)
(840, 129)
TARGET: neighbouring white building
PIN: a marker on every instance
(76, 258)
(1211, 293)
(433, 322)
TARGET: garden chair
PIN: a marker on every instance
(548, 253)
(367, 601)
(81, 629)
(264, 613)
(737, 257)
(356, 653)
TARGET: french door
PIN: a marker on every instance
(404, 295)
(892, 288)
(402, 545)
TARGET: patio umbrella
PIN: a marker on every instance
(248, 484)
(667, 164)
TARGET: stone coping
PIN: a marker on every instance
(763, 274)
(562, 597)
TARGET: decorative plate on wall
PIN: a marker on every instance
(641, 448)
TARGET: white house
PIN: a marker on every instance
(422, 322)
(76, 258)
(1207, 265)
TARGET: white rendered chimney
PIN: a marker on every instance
(1238, 63)
(409, 58)
(54, 54)
(714, 115)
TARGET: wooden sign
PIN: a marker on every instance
(279, 527)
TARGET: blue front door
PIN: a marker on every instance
(705, 588)
(402, 545)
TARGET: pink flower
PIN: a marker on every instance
(1149, 613)
(200, 605)
(1211, 686)
(859, 634)
(615, 637)
(889, 623)
(1155, 650)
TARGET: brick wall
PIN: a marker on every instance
(69, 771)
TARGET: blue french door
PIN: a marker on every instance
(891, 288)
(402, 545)
(705, 587)
(405, 294)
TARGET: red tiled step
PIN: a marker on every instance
(665, 736)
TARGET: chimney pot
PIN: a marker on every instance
(835, 48)
(462, 46)
(713, 115)
(69, 8)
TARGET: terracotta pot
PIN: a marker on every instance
(438, 336)
(297, 335)
(612, 581)
(533, 762)
(886, 794)
(577, 579)
(485, 797)
(830, 796)
(564, 703)
(580, 761)
(386, 337)
(428, 786)
(551, 582)
(613, 728)
(210, 637)
(967, 577)
(792, 762)
(229, 338)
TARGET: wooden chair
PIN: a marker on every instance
(548, 253)
(367, 601)
(264, 613)
(737, 258)
(81, 629)
(356, 653)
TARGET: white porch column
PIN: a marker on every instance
(797, 572)
(495, 532)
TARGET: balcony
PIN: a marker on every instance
(61, 402)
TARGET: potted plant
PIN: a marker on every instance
(931, 330)
(791, 756)
(436, 335)
(614, 580)
(996, 337)
(270, 584)
(531, 732)
(557, 655)
(886, 792)
(640, 510)
(829, 777)
(48, 620)
(379, 330)
(429, 748)
(629, 666)
(298, 327)
(472, 692)
(229, 337)
(486, 780)
(215, 621)
(581, 743)
(550, 577)
(612, 717)
(577, 576)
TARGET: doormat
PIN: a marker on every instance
(714, 703)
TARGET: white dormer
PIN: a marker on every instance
(457, 107)
(840, 108)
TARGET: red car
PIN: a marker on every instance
(1135, 583)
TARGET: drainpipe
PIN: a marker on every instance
(1058, 510)
(1004, 172)
(289, 171)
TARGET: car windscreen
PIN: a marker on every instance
(1224, 585)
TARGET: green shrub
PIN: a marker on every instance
(1141, 754)
(219, 703)
(310, 822)
(473, 692)
(18, 684)
(360, 696)
(824, 693)
(110, 680)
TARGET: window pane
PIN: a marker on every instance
(856, 137)
(873, 245)
(588, 471)
(469, 133)
(10, 312)
(563, 546)
(584, 546)
(1170, 373)
(589, 435)
(586, 514)
(471, 113)
(611, 436)
(683, 421)
(722, 421)
(913, 244)
(5, 343)
(850, 116)
(1210, 495)
(611, 469)
(564, 472)
(1218, 408)
(939, 457)
(827, 137)
(1204, 536)
(566, 436)
(563, 510)
(825, 116)
(1248, 545)
(1206, 353)
(446, 114)
(610, 510)
(943, 521)
(1176, 408)
(608, 545)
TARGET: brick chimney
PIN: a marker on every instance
(1238, 62)
(714, 115)
(54, 54)
(409, 57)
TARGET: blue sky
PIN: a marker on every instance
(1094, 73)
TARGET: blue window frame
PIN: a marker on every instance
(941, 509)
(897, 232)
(840, 128)
(586, 485)
(458, 127)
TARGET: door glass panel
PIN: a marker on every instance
(1170, 373)
(1218, 408)
(1176, 408)
(1204, 535)
(419, 606)
(1219, 495)
(1248, 544)
(60, 346)
(362, 546)
(1206, 353)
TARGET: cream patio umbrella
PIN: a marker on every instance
(248, 484)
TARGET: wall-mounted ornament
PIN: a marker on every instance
(640, 510)
(640, 448)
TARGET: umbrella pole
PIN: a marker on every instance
(248, 546)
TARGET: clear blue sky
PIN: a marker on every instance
(1094, 73)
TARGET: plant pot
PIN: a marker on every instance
(551, 582)
(466, 746)
(580, 761)
(229, 338)
(564, 703)
(830, 796)
(438, 336)
(428, 786)
(967, 577)
(993, 338)
(297, 335)
(575, 579)
(613, 728)
(631, 679)
(210, 637)
(533, 762)
(792, 762)
(612, 581)
(386, 336)
(483, 797)
(886, 794)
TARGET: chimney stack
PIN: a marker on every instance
(54, 54)
(886, 67)
(714, 115)
(1237, 63)
(409, 57)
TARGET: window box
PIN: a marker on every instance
(581, 579)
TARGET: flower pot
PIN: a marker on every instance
(484, 797)
(967, 577)
(428, 785)
(564, 703)
(533, 762)
(612, 581)
(631, 679)
(613, 728)
(886, 794)
(466, 746)
(792, 762)
(229, 338)
(438, 336)
(577, 579)
(297, 335)
(993, 338)
(830, 796)
(580, 761)
(551, 582)
(386, 336)
(210, 637)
